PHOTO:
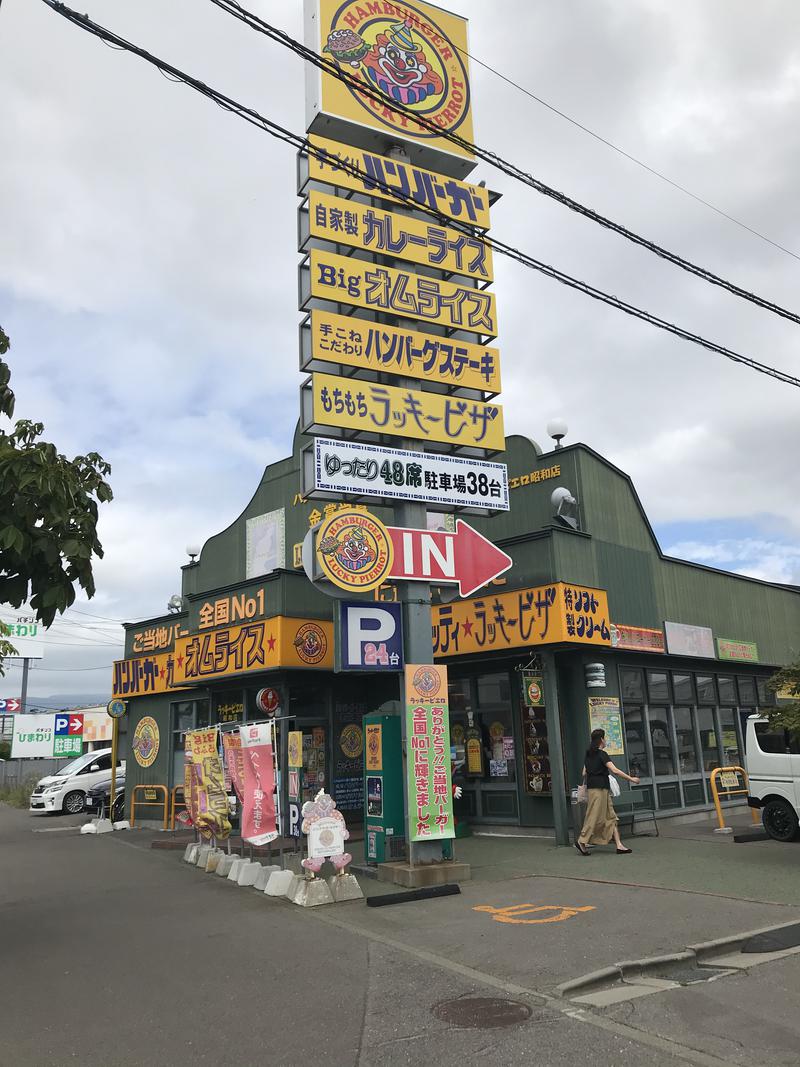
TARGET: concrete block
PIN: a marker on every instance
(248, 872)
(225, 864)
(123, 824)
(281, 884)
(235, 867)
(190, 855)
(202, 856)
(344, 887)
(103, 826)
(214, 856)
(311, 892)
(89, 828)
(423, 875)
(263, 876)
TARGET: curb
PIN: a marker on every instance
(626, 969)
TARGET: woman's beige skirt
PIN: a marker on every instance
(601, 819)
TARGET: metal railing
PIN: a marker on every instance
(150, 802)
(729, 777)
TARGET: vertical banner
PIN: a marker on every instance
(258, 803)
(209, 799)
(430, 791)
(189, 780)
(234, 761)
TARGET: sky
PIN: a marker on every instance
(148, 254)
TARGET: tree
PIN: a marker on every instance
(786, 716)
(48, 515)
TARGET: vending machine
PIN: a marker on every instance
(384, 831)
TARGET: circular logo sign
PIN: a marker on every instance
(354, 550)
(146, 740)
(404, 56)
(427, 682)
(116, 708)
(311, 643)
(534, 694)
(267, 700)
(351, 741)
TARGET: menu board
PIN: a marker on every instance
(536, 752)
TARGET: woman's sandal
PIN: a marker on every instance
(624, 851)
(584, 851)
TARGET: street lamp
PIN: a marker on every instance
(557, 428)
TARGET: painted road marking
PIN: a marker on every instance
(514, 912)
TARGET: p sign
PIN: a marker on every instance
(371, 636)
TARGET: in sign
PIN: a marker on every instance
(464, 557)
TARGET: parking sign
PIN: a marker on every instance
(371, 636)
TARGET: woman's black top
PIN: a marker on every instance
(595, 763)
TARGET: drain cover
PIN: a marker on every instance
(482, 1013)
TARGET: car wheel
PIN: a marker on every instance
(74, 803)
(780, 820)
(119, 808)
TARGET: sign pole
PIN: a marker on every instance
(23, 699)
(114, 743)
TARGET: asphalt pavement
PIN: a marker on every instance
(118, 954)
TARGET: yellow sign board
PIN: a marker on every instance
(386, 409)
(372, 346)
(412, 54)
(545, 615)
(401, 292)
(396, 180)
(144, 675)
(346, 222)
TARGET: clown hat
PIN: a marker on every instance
(400, 35)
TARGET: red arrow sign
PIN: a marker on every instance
(464, 557)
(9, 704)
(76, 724)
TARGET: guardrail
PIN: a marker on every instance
(724, 774)
(150, 802)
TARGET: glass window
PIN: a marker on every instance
(493, 689)
(730, 741)
(184, 716)
(747, 691)
(632, 683)
(663, 758)
(458, 690)
(708, 738)
(770, 740)
(203, 712)
(706, 690)
(658, 686)
(687, 749)
(765, 696)
(727, 690)
(635, 743)
(684, 690)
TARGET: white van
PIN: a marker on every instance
(772, 762)
(66, 789)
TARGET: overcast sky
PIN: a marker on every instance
(148, 254)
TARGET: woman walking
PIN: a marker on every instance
(600, 824)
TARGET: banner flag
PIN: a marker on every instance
(258, 802)
(208, 799)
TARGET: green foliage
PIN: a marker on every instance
(48, 515)
(786, 716)
(18, 796)
(5, 750)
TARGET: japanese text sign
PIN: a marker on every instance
(430, 787)
(395, 474)
(393, 179)
(737, 651)
(545, 615)
(258, 803)
(413, 55)
(346, 222)
(400, 292)
(386, 409)
(33, 736)
(371, 636)
(641, 638)
(207, 798)
(373, 346)
(605, 714)
(234, 761)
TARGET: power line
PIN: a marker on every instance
(299, 142)
(235, 9)
(633, 159)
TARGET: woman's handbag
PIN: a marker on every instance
(613, 785)
(581, 794)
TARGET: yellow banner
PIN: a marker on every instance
(346, 222)
(208, 804)
(412, 54)
(385, 409)
(401, 292)
(394, 179)
(545, 615)
(372, 346)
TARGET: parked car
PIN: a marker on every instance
(98, 797)
(772, 761)
(66, 789)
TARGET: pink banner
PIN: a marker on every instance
(258, 802)
(234, 762)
